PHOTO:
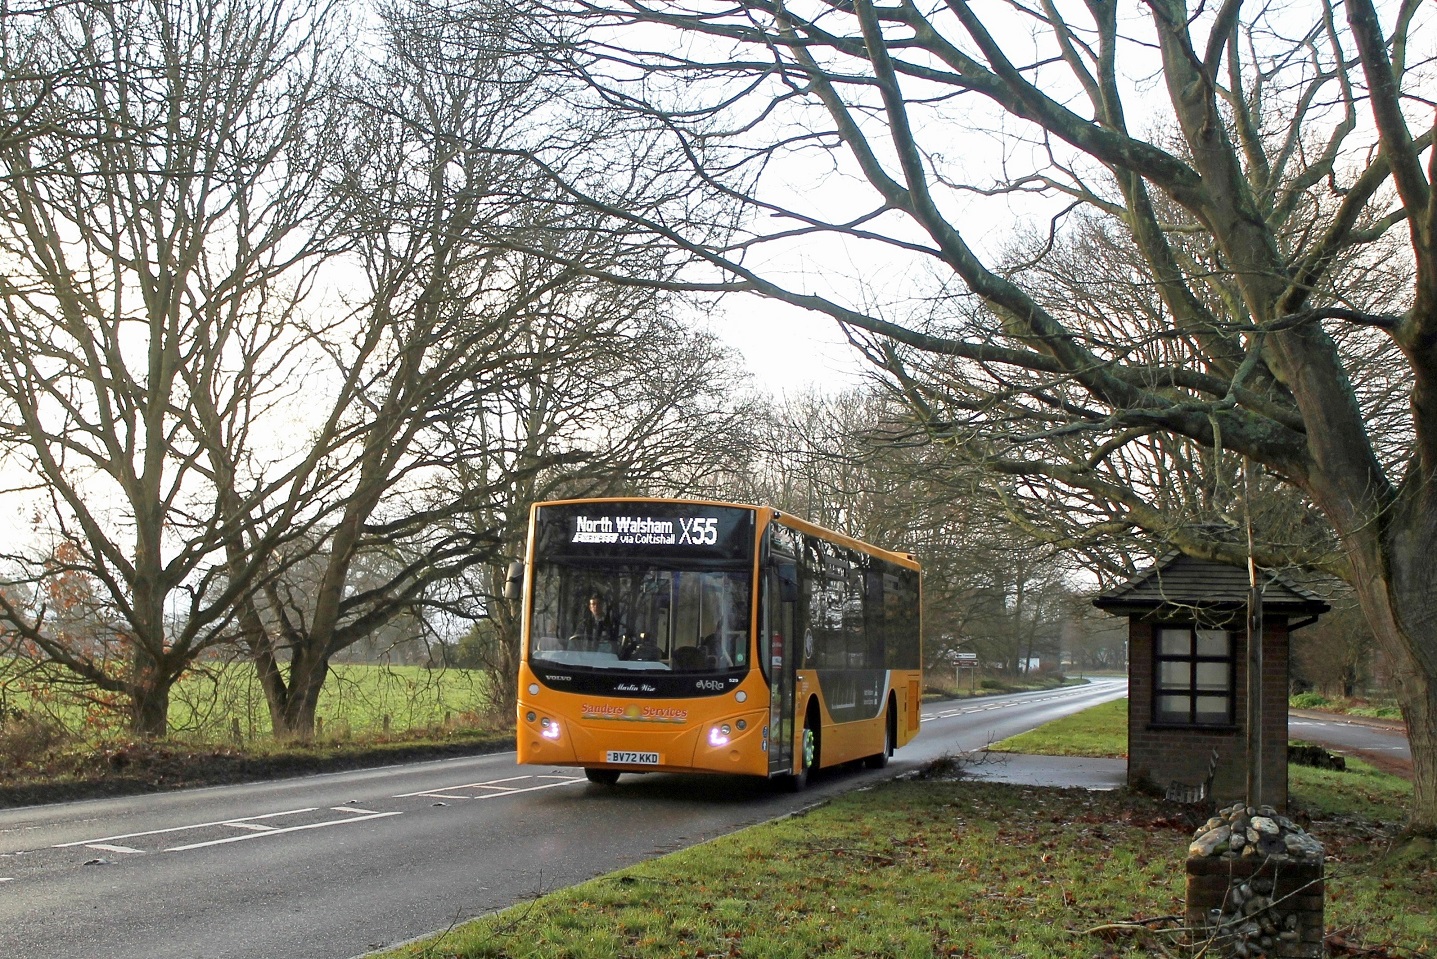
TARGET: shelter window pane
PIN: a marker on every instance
(1212, 709)
(1174, 709)
(1214, 642)
(1174, 675)
(1175, 642)
(1212, 677)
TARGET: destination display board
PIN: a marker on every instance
(654, 531)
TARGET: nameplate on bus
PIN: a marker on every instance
(632, 758)
(647, 530)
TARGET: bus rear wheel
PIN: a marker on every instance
(603, 777)
(879, 760)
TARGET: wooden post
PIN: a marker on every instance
(1254, 691)
(1254, 655)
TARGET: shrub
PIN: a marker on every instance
(1310, 754)
(1377, 712)
(1309, 701)
(26, 738)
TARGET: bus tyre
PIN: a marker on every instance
(603, 777)
(879, 760)
(807, 755)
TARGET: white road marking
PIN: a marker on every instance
(495, 788)
(204, 825)
(6, 879)
(968, 710)
(107, 847)
(278, 832)
(530, 789)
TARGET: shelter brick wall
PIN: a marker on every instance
(1160, 755)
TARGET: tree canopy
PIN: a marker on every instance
(1108, 251)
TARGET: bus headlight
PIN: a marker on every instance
(719, 735)
(549, 728)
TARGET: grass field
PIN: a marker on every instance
(356, 699)
(939, 868)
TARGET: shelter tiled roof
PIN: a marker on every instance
(1182, 581)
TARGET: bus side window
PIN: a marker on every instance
(787, 583)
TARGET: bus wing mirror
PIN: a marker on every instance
(514, 581)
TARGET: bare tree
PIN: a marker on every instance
(1337, 657)
(154, 195)
(624, 400)
(1286, 142)
(854, 462)
(476, 371)
(438, 306)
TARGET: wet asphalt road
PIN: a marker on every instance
(1382, 743)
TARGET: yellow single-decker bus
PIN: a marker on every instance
(688, 636)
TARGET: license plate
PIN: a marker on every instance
(632, 759)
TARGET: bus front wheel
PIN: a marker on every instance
(604, 777)
(807, 754)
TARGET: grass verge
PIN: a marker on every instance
(1099, 731)
(938, 868)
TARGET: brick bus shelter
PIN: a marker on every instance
(1188, 674)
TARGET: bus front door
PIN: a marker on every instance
(780, 607)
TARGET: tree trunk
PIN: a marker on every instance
(1398, 593)
(503, 670)
(306, 680)
(1417, 695)
(1419, 707)
(150, 705)
(271, 680)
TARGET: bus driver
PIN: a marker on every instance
(599, 628)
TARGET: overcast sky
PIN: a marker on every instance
(788, 349)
